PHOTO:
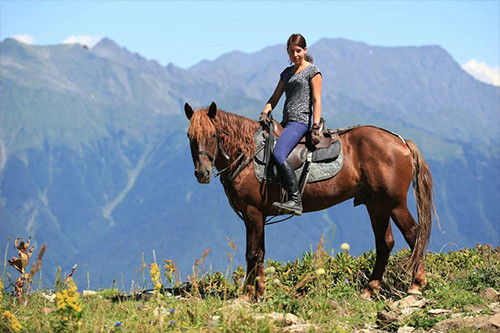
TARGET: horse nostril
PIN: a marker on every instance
(199, 174)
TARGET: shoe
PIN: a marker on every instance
(290, 184)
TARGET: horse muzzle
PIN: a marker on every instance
(203, 175)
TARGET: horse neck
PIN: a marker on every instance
(236, 134)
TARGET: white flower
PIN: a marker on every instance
(270, 270)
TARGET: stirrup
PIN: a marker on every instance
(287, 209)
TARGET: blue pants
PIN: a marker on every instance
(291, 135)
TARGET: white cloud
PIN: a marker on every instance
(84, 40)
(482, 72)
(26, 39)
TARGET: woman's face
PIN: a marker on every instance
(296, 54)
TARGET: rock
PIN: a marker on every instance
(413, 301)
(287, 318)
(485, 323)
(86, 293)
(291, 319)
(291, 322)
(406, 329)
(438, 311)
(492, 325)
(490, 295)
(406, 312)
(494, 307)
(385, 319)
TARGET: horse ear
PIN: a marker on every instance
(188, 110)
(212, 110)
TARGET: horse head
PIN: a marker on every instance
(203, 139)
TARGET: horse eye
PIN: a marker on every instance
(213, 135)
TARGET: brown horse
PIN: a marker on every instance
(378, 169)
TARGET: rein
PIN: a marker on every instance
(227, 181)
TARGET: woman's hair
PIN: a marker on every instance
(299, 40)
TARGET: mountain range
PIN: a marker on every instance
(95, 162)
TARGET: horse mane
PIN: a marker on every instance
(235, 132)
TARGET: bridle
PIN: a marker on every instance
(218, 145)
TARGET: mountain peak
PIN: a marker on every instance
(106, 48)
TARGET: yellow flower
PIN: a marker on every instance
(155, 277)
(69, 298)
(14, 323)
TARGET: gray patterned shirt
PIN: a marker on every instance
(298, 92)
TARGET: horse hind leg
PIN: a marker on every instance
(409, 228)
(384, 242)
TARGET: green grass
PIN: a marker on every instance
(320, 289)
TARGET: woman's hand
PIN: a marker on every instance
(264, 120)
(315, 135)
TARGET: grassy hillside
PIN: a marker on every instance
(317, 293)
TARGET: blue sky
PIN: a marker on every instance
(187, 32)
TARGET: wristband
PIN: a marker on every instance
(315, 125)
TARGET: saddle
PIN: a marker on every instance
(311, 163)
(327, 150)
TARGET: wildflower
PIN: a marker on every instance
(11, 318)
(68, 299)
(172, 322)
(169, 269)
(345, 247)
(118, 324)
(270, 270)
(155, 277)
(347, 281)
(172, 311)
(276, 282)
(320, 271)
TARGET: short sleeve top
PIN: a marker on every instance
(298, 92)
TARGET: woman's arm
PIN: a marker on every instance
(316, 83)
(278, 92)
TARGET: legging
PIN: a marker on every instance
(291, 135)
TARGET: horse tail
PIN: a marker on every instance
(424, 195)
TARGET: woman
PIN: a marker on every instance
(301, 84)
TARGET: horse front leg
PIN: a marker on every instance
(384, 242)
(255, 251)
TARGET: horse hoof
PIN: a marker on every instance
(414, 291)
(366, 295)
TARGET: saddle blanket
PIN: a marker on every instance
(318, 171)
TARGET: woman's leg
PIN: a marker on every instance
(291, 135)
